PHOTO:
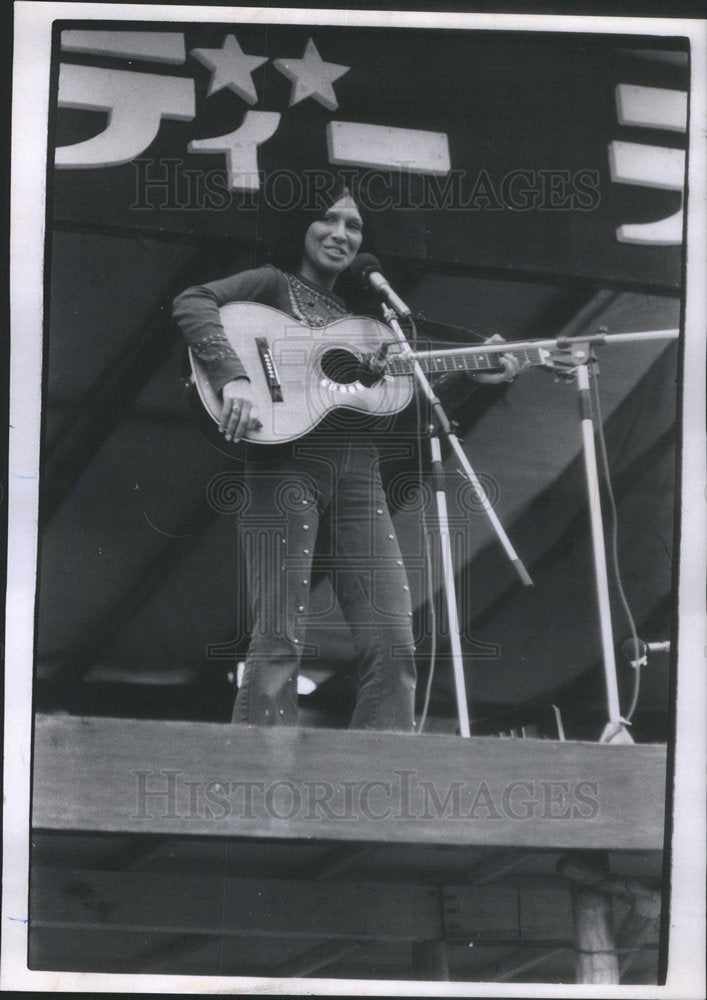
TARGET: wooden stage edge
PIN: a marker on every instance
(135, 776)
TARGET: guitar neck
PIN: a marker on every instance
(435, 364)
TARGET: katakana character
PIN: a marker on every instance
(136, 104)
(240, 147)
(647, 165)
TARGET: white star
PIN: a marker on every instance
(230, 67)
(312, 77)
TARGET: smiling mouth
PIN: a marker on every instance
(336, 251)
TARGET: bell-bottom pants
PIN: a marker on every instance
(324, 496)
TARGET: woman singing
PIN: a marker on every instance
(320, 497)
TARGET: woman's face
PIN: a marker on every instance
(332, 242)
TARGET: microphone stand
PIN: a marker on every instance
(583, 364)
(444, 427)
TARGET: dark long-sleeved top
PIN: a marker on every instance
(196, 311)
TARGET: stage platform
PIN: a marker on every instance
(211, 849)
(136, 776)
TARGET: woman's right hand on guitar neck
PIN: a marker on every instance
(238, 411)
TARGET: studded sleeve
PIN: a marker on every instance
(196, 312)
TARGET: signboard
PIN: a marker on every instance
(533, 153)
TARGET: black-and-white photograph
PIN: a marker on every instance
(354, 528)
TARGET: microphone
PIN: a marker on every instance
(367, 270)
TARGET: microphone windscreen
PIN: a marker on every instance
(363, 265)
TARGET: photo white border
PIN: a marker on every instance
(32, 48)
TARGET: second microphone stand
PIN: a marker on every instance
(444, 427)
(581, 364)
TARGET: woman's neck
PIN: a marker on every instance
(323, 281)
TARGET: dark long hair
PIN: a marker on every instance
(285, 241)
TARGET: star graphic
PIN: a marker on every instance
(312, 77)
(230, 67)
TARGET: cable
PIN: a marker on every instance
(462, 334)
(433, 624)
(613, 535)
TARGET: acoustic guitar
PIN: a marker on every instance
(300, 374)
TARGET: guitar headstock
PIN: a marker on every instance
(561, 361)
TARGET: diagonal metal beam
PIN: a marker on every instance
(133, 598)
(317, 958)
(521, 961)
(496, 866)
(337, 860)
(87, 426)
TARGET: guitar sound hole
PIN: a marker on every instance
(341, 366)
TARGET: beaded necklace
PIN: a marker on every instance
(311, 306)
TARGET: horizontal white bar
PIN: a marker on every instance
(154, 46)
(647, 166)
(384, 148)
(651, 107)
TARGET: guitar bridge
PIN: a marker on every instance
(271, 374)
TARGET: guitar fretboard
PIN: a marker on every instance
(488, 361)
